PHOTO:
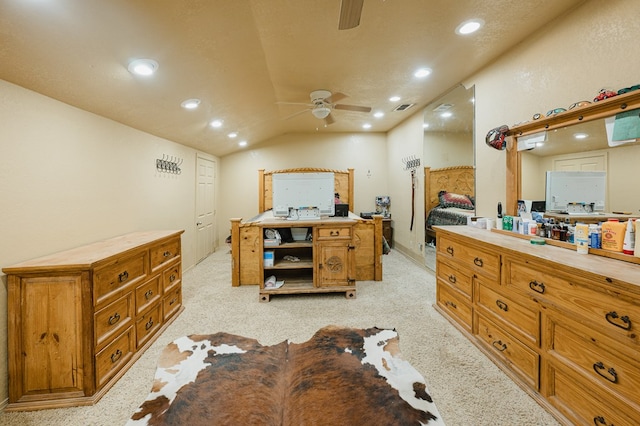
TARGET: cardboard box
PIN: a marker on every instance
(268, 258)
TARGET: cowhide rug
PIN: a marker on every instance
(341, 376)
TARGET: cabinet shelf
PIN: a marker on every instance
(286, 264)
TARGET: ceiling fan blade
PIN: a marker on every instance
(295, 103)
(335, 97)
(352, 108)
(295, 114)
(329, 120)
(350, 12)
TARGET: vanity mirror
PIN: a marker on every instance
(554, 143)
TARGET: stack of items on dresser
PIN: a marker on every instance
(612, 234)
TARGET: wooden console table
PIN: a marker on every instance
(341, 251)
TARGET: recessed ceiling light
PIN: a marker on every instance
(580, 135)
(379, 114)
(446, 114)
(216, 123)
(394, 98)
(242, 143)
(144, 67)
(232, 135)
(422, 72)
(366, 126)
(470, 26)
(190, 103)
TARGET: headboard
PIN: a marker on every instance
(343, 185)
(457, 179)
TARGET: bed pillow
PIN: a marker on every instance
(449, 199)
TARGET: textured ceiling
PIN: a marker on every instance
(242, 57)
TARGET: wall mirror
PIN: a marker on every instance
(448, 129)
(449, 158)
(575, 140)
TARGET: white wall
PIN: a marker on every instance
(69, 177)
(364, 152)
(448, 149)
(569, 60)
(404, 141)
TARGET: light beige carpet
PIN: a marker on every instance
(467, 388)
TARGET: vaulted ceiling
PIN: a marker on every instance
(247, 60)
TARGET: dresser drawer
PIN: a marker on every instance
(114, 356)
(454, 303)
(111, 278)
(147, 294)
(172, 301)
(521, 359)
(148, 324)
(520, 316)
(172, 277)
(334, 232)
(477, 259)
(596, 358)
(612, 312)
(455, 276)
(113, 318)
(163, 253)
(584, 404)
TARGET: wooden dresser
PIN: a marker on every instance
(79, 319)
(564, 326)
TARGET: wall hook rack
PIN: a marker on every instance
(169, 164)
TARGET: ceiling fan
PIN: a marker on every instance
(322, 102)
(350, 12)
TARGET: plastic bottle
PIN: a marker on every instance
(628, 247)
(594, 236)
(581, 237)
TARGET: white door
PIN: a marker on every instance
(205, 211)
(585, 163)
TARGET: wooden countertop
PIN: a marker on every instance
(86, 256)
(505, 241)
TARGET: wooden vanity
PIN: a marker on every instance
(564, 326)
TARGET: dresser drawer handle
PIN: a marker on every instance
(612, 376)
(334, 233)
(599, 420)
(450, 250)
(503, 306)
(452, 279)
(172, 278)
(116, 356)
(148, 294)
(123, 276)
(149, 324)
(499, 345)
(451, 304)
(478, 262)
(613, 315)
(536, 286)
(114, 318)
(173, 301)
(166, 254)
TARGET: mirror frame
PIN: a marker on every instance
(596, 110)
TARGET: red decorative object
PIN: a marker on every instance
(604, 94)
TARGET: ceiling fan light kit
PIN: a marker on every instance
(321, 112)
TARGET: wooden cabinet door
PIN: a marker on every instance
(51, 344)
(334, 264)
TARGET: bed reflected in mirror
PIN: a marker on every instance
(449, 160)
